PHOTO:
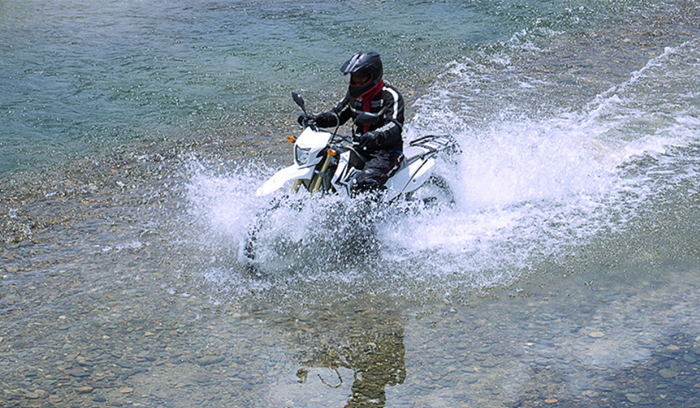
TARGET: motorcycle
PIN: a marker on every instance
(329, 163)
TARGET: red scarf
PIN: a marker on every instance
(367, 97)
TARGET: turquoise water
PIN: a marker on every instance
(134, 134)
(81, 77)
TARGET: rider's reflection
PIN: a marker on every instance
(380, 363)
(371, 346)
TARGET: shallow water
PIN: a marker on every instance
(134, 135)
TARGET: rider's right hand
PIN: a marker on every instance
(306, 119)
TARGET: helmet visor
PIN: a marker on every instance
(360, 78)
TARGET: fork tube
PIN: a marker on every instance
(318, 177)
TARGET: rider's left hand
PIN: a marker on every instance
(368, 141)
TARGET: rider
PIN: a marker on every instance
(380, 142)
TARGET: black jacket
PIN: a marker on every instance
(390, 125)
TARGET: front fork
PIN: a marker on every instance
(317, 178)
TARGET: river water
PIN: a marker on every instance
(133, 135)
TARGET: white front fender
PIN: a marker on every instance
(286, 174)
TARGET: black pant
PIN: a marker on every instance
(381, 165)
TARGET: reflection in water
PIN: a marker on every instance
(365, 342)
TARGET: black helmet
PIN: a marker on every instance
(363, 62)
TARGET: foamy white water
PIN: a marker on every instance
(528, 189)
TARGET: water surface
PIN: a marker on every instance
(135, 133)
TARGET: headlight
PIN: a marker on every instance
(301, 155)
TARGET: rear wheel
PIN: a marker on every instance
(435, 191)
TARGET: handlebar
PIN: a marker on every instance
(309, 122)
(344, 138)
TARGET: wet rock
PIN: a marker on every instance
(64, 380)
(84, 390)
(146, 355)
(464, 381)
(208, 360)
(41, 393)
(80, 374)
(125, 364)
(590, 394)
(82, 361)
(666, 373)
(31, 395)
(633, 398)
(543, 361)
(99, 398)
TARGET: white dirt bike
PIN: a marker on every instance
(328, 163)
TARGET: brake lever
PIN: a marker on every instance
(310, 122)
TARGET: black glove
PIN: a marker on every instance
(306, 119)
(326, 119)
(368, 141)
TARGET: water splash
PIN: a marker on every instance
(529, 190)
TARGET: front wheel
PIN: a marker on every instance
(249, 247)
(262, 224)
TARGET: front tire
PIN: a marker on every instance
(249, 251)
